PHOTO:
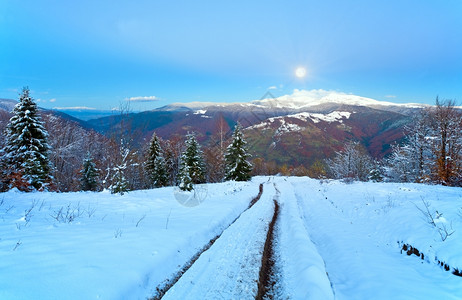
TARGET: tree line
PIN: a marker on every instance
(431, 153)
(56, 155)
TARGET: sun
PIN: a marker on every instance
(300, 72)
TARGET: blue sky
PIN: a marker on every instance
(101, 53)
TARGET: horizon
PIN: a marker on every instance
(102, 55)
(304, 98)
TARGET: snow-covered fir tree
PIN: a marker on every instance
(120, 183)
(237, 165)
(27, 148)
(155, 165)
(185, 182)
(89, 174)
(192, 162)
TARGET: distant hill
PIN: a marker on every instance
(85, 113)
(7, 105)
(293, 130)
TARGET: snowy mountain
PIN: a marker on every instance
(295, 129)
(304, 100)
(7, 104)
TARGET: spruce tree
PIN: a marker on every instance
(26, 150)
(89, 175)
(185, 181)
(120, 184)
(192, 165)
(237, 165)
(155, 165)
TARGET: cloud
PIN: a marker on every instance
(53, 100)
(142, 99)
(390, 96)
(273, 87)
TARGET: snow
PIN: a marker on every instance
(230, 269)
(356, 228)
(335, 116)
(200, 112)
(302, 268)
(286, 126)
(307, 98)
(121, 247)
(303, 99)
(334, 240)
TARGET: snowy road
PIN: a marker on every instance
(230, 268)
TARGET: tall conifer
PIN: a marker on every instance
(26, 150)
(237, 165)
(192, 166)
(155, 165)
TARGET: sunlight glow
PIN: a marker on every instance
(300, 72)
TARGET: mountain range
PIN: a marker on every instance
(295, 129)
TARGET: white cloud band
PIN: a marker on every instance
(142, 99)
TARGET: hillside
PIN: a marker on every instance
(295, 130)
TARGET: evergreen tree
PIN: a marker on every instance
(120, 184)
(191, 163)
(237, 165)
(185, 181)
(155, 165)
(89, 175)
(26, 150)
(376, 173)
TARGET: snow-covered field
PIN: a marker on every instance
(333, 240)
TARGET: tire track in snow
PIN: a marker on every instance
(168, 283)
(267, 281)
(301, 272)
(230, 268)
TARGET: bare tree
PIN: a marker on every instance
(448, 138)
(411, 162)
(352, 162)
